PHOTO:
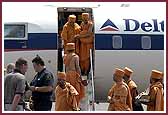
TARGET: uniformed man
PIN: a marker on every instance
(133, 88)
(119, 95)
(73, 72)
(70, 32)
(41, 86)
(14, 87)
(65, 95)
(156, 92)
(86, 42)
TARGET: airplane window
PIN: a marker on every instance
(117, 42)
(14, 31)
(146, 42)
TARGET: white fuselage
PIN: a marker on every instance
(132, 21)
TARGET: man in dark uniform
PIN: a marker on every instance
(41, 86)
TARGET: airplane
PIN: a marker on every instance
(126, 34)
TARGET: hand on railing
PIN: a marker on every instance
(84, 82)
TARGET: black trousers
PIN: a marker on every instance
(42, 105)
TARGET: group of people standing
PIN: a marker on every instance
(77, 42)
(70, 88)
(71, 76)
(16, 85)
(122, 95)
(83, 38)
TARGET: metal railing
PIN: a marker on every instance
(91, 78)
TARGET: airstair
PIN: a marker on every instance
(88, 103)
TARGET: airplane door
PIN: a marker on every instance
(63, 13)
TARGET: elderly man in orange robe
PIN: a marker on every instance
(86, 43)
(65, 95)
(156, 92)
(119, 95)
(70, 32)
(132, 85)
(73, 72)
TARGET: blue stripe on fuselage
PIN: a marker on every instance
(35, 41)
(45, 40)
(102, 42)
(129, 42)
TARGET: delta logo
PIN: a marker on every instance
(132, 25)
(109, 26)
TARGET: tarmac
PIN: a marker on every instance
(98, 107)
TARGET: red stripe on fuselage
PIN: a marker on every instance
(11, 50)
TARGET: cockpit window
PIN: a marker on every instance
(14, 31)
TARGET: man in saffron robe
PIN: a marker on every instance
(69, 32)
(65, 95)
(156, 93)
(86, 43)
(73, 72)
(133, 88)
(119, 95)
